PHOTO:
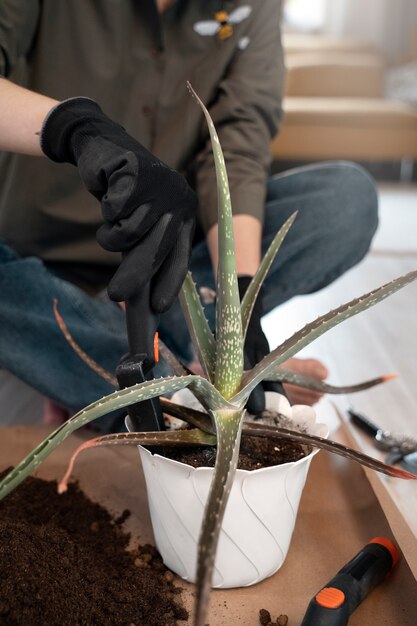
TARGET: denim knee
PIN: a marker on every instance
(6, 253)
(356, 201)
(337, 217)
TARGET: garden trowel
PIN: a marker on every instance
(137, 366)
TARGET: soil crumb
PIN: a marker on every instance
(64, 562)
(264, 617)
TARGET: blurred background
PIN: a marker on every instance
(351, 93)
(351, 86)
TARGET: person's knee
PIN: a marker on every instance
(337, 219)
(356, 202)
(6, 253)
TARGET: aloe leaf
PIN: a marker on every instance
(313, 330)
(228, 428)
(192, 437)
(171, 360)
(100, 371)
(229, 341)
(198, 326)
(272, 432)
(308, 382)
(116, 400)
(261, 430)
(252, 291)
(191, 416)
(169, 357)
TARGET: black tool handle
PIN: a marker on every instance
(334, 603)
(363, 422)
(141, 323)
(146, 415)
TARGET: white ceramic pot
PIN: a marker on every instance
(259, 518)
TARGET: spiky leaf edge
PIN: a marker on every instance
(229, 342)
(199, 329)
(195, 437)
(228, 431)
(249, 299)
(316, 328)
(112, 402)
(192, 437)
(194, 417)
(308, 382)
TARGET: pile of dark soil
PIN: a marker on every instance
(255, 452)
(64, 561)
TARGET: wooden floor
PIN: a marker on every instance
(381, 340)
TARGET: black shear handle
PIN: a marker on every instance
(141, 323)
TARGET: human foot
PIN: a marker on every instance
(307, 367)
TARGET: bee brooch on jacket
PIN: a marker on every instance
(222, 25)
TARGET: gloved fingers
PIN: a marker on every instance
(125, 232)
(131, 275)
(261, 344)
(256, 343)
(248, 359)
(256, 401)
(138, 265)
(122, 172)
(254, 352)
(275, 386)
(173, 270)
(110, 174)
(171, 225)
(131, 185)
(261, 350)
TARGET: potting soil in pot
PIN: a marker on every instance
(64, 561)
(255, 452)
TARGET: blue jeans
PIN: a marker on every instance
(337, 205)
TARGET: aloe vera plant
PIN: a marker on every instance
(226, 388)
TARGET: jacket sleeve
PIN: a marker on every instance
(246, 113)
(18, 23)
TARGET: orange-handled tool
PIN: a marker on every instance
(334, 603)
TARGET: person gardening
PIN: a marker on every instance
(127, 193)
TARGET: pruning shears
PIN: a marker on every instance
(137, 366)
(401, 448)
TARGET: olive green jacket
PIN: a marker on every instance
(136, 64)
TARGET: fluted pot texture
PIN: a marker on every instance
(259, 518)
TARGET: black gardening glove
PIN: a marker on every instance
(256, 347)
(148, 208)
